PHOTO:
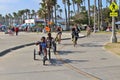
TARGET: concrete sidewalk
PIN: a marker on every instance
(87, 61)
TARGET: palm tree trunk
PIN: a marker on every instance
(66, 24)
(98, 15)
(68, 15)
(95, 16)
(55, 16)
(101, 23)
(89, 12)
(74, 7)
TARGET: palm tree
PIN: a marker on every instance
(6, 19)
(94, 15)
(101, 15)
(68, 3)
(21, 16)
(55, 9)
(98, 15)
(78, 2)
(89, 12)
(73, 2)
(64, 2)
(83, 9)
(27, 11)
(15, 16)
(10, 19)
(71, 12)
(1, 18)
(42, 12)
(60, 10)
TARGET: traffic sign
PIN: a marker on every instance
(115, 14)
(113, 7)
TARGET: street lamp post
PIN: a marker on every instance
(113, 37)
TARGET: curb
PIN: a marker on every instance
(14, 48)
(24, 45)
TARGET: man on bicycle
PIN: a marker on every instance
(75, 33)
(59, 33)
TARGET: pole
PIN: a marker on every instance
(113, 37)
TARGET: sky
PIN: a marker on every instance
(10, 6)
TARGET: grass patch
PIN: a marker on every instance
(113, 47)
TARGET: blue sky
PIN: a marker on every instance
(10, 6)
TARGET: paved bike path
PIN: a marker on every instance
(87, 61)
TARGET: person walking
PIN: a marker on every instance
(16, 31)
(88, 29)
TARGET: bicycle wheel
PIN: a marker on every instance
(34, 54)
(74, 41)
(44, 59)
(49, 54)
(54, 48)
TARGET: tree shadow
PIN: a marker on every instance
(57, 62)
(90, 45)
(74, 61)
(69, 52)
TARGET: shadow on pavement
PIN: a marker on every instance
(69, 52)
(90, 45)
(70, 38)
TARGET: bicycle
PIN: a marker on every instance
(41, 54)
(51, 45)
(74, 39)
(42, 49)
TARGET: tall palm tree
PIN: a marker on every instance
(6, 20)
(68, 3)
(21, 16)
(66, 24)
(78, 2)
(89, 12)
(98, 15)
(42, 12)
(49, 7)
(1, 18)
(83, 9)
(94, 15)
(71, 12)
(27, 11)
(55, 9)
(73, 2)
(10, 19)
(15, 16)
(101, 15)
(60, 10)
